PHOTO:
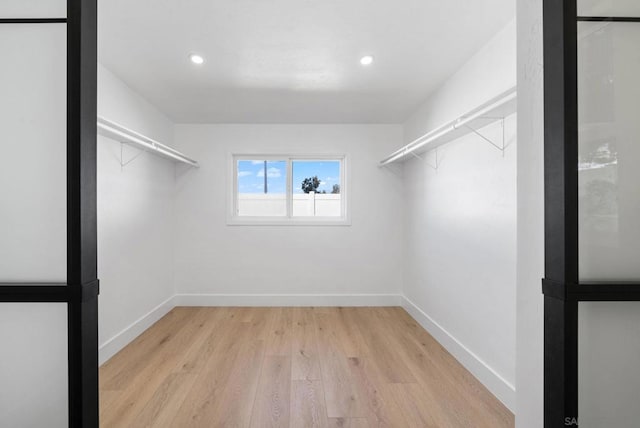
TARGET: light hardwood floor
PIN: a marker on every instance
(292, 367)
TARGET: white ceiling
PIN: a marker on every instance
(292, 61)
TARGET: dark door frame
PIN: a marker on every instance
(82, 287)
(561, 286)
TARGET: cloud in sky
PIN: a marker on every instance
(257, 162)
(244, 173)
(271, 173)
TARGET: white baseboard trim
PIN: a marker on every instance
(288, 300)
(135, 329)
(495, 383)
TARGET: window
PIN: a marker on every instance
(288, 190)
(262, 188)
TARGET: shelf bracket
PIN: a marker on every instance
(416, 156)
(124, 163)
(394, 168)
(502, 147)
(424, 159)
(437, 165)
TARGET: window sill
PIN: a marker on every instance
(288, 222)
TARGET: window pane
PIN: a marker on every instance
(33, 176)
(317, 188)
(262, 187)
(609, 338)
(33, 365)
(609, 151)
(33, 9)
(609, 8)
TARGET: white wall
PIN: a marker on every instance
(135, 219)
(215, 259)
(490, 72)
(461, 256)
(33, 347)
(461, 224)
(529, 359)
(119, 103)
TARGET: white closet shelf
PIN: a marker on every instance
(115, 131)
(493, 110)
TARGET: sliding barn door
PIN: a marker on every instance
(48, 285)
(592, 170)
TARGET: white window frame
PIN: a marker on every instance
(233, 219)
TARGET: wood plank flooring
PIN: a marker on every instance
(292, 367)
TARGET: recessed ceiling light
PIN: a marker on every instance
(366, 60)
(196, 59)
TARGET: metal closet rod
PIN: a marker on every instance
(128, 136)
(443, 130)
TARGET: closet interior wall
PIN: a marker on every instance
(460, 223)
(135, 219)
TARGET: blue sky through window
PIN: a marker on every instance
(251, 175)
(328, 172)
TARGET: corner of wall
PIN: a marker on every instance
(133, 330)
(492, 380)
